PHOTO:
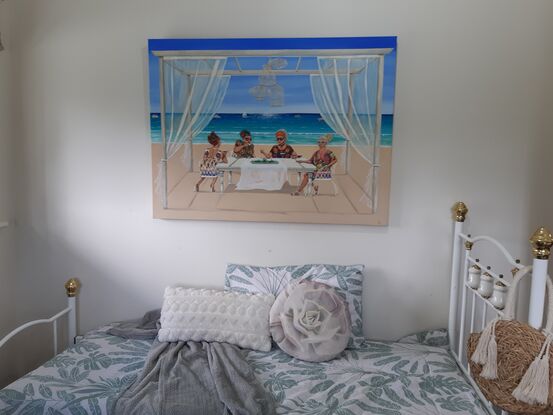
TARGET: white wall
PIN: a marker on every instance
(472, 93)
(541, 190)
(7, 235)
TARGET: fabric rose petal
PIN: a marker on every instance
(310, 321)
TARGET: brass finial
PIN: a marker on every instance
(541, 242)
(460, 211)
(71, 287)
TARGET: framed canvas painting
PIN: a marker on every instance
(275, 130)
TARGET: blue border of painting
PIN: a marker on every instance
(379, 42)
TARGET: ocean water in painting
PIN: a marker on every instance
(302, 128)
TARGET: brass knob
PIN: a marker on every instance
(71, 287)
(460, 211)
(541, 242)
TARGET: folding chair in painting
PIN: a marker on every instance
(322, 175)
(209, 170)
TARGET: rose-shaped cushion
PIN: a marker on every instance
(310, 321)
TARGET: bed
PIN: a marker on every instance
(414, 376)
(425, 373)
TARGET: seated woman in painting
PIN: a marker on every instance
(323, 159)
(212, 156)
(244, 148)
(281, 149)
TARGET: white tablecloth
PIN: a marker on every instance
(262, 176)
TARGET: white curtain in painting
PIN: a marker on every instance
(346, 93)
(194, 89)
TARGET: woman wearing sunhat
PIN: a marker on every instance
(323, 159)
(244, 148)
(281, 150)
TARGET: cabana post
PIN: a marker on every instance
(378, 130)
(164, 196)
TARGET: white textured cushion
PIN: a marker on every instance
(213, 315)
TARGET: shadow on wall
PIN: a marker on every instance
(107, 295)
(8, 371)
(7, 301)
(539, 190)
(34, 346)
(25, 352)
(539, 187)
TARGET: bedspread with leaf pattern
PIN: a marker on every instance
(414, 376)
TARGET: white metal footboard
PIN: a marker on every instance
(461, 322)
(71, 290)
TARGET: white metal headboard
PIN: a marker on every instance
(459, 319)
(71, 290)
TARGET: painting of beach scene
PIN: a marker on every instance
(273, 130)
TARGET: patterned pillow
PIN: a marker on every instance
(310, 321)
(216, 315)
(347, 279)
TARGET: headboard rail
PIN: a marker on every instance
(71, 290)
(473, 240)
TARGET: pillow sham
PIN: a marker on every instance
(215, 315)
(310, 321)
(346, 279)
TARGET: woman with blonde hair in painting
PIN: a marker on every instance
(212, 156)
(323, 159)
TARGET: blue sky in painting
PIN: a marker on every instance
(297, 89)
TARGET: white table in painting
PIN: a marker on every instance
(261, 175)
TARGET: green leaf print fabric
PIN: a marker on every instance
(346, 279)
(414, 376)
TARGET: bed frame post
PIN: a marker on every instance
(460, 211)
(71, 290)
(541, 242)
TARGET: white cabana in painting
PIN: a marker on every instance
(272, 130)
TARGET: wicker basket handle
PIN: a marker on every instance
(509, 312)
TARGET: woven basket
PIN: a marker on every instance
(518, 344)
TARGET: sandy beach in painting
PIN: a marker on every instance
(348, 206)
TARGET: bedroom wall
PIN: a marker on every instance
(7, 235)
(472, 96)
(542, 190)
